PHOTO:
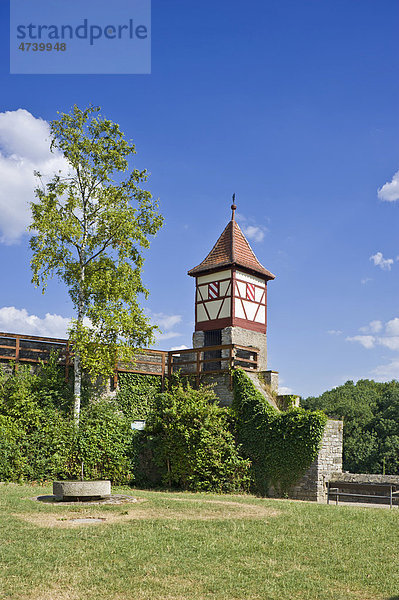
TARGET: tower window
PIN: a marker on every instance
(213, 290)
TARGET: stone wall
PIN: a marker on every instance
(198, 339)
(365, 478)
(145, 361)
(221, 385)
(246, 337)
(242, 337)
(262, 387)
(313, 485)
(270, 378)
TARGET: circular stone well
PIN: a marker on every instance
(80, 491)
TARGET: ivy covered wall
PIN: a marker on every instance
(280, 445)
(136, 393)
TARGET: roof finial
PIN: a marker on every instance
(233, 208)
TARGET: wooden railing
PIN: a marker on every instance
(193, 361)
(212, 359)
(33, 349)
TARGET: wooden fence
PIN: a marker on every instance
(33, 349)
(193, 361)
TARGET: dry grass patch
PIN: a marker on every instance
(195, 510)
(227, 509)
(51, 594)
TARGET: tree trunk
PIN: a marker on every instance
(77, 391)
(79, 324)
(77, 387)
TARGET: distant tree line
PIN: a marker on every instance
(370, 412)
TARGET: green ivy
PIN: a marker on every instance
(280, 445)
(136, 393)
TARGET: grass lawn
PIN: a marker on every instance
(178, 546)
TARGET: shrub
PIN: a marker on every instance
(105, 443)
(38, 439)
(192, 442)
(12, 458)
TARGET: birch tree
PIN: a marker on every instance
(90, 227)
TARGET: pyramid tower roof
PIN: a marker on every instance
(231, 249)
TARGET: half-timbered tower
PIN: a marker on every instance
(231, 294)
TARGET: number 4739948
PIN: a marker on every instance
(41, 47)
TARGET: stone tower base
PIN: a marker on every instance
(242, 337)
(313, 485)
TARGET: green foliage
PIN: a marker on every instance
(33, 426)
(50, 387)
(370, 411)
(12, 458)
(39, 440)
(104, 442)
(136, 393)
(90, 229)
(281, 446)
(192, 441)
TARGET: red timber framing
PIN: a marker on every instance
(244, 298)
(232, 320)
(17, 348)
(205, 300)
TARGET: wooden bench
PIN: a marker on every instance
(371, 491)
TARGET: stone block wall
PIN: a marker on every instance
(366, 478)
(270, 378)
(198, 339)
(242, 337)
(246, 337)
(313, 485)
(221, 386)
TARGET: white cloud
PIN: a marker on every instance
(334, 332)
(379, 261)
(252, 230)
(372, 327)
(390, 342)
(182, 347)
(388, 371)
(392, 327)
(365, 280)
(388, 335)
(14, 320)
(283, 390)
(390, 190)
(165, 321)
(24, 148)
(367, 341)
(167, 335)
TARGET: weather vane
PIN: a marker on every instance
(233, 207)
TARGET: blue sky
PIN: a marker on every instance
(292, 105)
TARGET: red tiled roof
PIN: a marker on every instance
(231, 249)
